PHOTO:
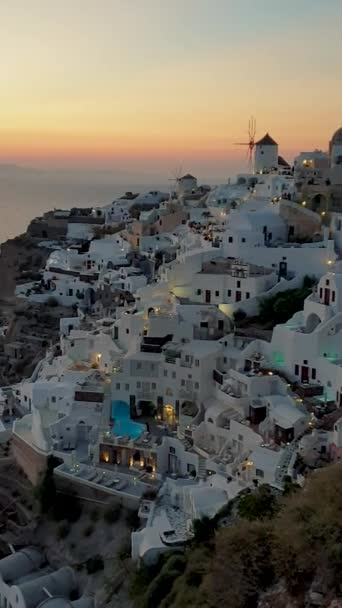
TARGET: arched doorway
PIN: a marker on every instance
(318, 203)
(82, 431)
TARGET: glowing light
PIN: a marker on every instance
(323, 213)
(270, 373)
(329, 262)
(106, 457)
(304, 203)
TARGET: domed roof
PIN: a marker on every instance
(337, 137)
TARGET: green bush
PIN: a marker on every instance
(239, 315)
(162, 584)
(260, 504)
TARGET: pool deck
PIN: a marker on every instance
(108, 479)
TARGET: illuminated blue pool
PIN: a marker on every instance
(122, 423)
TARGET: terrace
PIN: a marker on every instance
(106, 479)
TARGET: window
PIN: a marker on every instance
(225, 360)
(127, 331)
(327, 282)
(117, 386)
(139, 365)
(138, 384)
(183, 382)
(230, 239)
(321, 293)
(154, 386)
(153, 367)
(197, 362)
(296, 370)
(70, 292)
(196, 385)
(243, 240)
(165, 373)
(333, 296)
(240, 437)
(305, 361)
(172, 450)
(238, 284)
(229, 293)
(126, 387)
(198, 292)
(204, 324)
(259, 473)
(247, 295)
(53, 399)
(313, 373)
(173, 375)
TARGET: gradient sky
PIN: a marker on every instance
(149, 85)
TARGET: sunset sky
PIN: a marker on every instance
(152, 84)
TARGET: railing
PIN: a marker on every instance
(171, 359)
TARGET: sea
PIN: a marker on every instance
(26, 193)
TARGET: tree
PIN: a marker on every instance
(261, 504)
(203, 529)
(46, 490)
(239, 315)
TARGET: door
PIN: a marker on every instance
(238, 296)
(207, 296)
(327, 297)
(305, 373)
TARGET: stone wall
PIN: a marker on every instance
(31, 461)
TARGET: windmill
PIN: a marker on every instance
(177, 174)
(251, 141)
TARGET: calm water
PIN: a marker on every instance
(25, 194)
(123, 425)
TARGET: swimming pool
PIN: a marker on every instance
(123, 425)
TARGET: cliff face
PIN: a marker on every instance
(280, 552)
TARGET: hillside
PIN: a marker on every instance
(279, 553)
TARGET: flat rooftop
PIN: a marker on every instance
(231, 266)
